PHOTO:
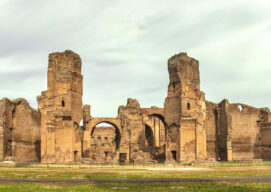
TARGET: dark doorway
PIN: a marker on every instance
(122, 158)
(106, 154)
(75, 156)
(63, 103)
(174, 155)
(149, 136)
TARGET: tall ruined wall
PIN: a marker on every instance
(86, 145)
(6, 125)
(265, 133)
(237, 131)
(61, 109)
(223, 134)
(184, 111)
(133, 131)
(244, 129)
(210, 125)
(20, 130)
(266, 140)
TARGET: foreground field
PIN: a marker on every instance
(188, 187)
(59, 173)
(124, 173)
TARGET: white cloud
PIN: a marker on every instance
(124, 46)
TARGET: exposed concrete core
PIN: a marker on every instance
(187, 129)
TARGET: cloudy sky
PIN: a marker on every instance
(125, 45)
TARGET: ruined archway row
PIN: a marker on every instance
(130, 126)
(188, 128)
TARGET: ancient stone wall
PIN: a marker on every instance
(133, 132)
(129, 136)
(236, 131)
(210, 125)
(20, 130)
(61, 109)
(6, 125)
(184, 111)
(93, 141)
(103, 145)
(265, 140)
(245, 132)
(187, 129)
(223, 136)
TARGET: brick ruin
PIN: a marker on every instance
(188, 128)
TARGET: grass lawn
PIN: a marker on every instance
(188, 187)
(121, 173)
(117, 173)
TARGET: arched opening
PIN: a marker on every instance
(240, 107)
(105, 141)
(155, 136)
(63, 103)
(174, 155)
(160, 131)
(75, 156)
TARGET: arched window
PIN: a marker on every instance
(240, 107)
(63, 103)
(188, 106)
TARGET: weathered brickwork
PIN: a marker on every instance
(103, 145)
(185, 111)
(236, 131)
(19, 131)
(187, 129)
(61, 109)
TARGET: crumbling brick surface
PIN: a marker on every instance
(188, 128)
(133, 129)
(20, 131)
(61, 109)
(103, 145)
(184, 111)
(210, 125)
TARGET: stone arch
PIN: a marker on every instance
(162, 118)
(159, 116)
(113, 122)
(156, 144)
(157, 112)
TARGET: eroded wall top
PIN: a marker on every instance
(183, 69)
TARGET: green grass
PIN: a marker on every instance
(178, 175)
(106, 173)
(114, 173)
(131, 187)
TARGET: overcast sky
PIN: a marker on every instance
(124, 46)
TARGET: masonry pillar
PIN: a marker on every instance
(61, 109)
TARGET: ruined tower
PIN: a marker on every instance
(61, 109)
(184, 111)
